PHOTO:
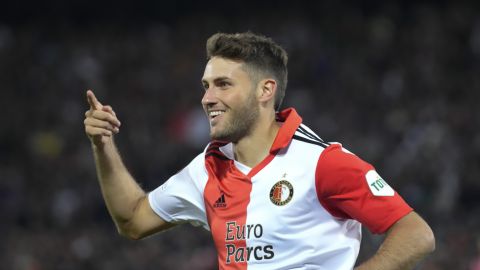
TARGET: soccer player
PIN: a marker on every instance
(272, 193)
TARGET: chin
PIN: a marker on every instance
(214, 136)
(219, 136)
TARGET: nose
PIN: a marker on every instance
(209, 97)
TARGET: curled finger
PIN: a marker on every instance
(108, 108)
(96, 131)
(89, 121)
(106, 116)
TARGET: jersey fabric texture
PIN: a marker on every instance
(301, 208)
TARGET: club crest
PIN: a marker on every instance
(281, 193)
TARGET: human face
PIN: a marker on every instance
(229, 100)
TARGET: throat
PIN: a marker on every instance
(251, 159)
(252, 150)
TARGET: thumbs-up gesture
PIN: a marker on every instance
(101, 123)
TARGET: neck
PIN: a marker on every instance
(255, 147)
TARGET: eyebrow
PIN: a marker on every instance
(216, 80)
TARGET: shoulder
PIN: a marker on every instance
(332, 156)
(339, 167)
(336, 157)
(306, 135)
(197, 162)
(196, 168)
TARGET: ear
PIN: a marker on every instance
(267, 89)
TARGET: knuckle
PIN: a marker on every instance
(98, 114)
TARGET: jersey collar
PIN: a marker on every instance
(291, 121)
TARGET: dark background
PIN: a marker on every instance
(397, 83)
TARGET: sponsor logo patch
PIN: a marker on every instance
(377, 185)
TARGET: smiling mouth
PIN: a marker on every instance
(213, 114)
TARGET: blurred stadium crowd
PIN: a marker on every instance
(397, 84)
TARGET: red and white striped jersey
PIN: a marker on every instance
(301, 208)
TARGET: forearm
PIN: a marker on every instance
(125, 200)
(407, 242)
(120, 191)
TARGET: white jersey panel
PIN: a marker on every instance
(180, 199)
(296, 230)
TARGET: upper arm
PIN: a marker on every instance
(412, 227)
(407, 242)
(145, 221)
(180, 199)
(409, 238)
(349, 187)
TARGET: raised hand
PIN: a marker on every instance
(101, 122)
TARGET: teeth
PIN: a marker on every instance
(215, 113)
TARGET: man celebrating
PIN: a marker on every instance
(273, 194)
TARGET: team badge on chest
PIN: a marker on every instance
(281, 193)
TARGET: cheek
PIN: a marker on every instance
(237, 97)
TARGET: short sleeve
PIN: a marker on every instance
(349, 187)
(180, 198)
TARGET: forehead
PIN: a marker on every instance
(221, 67)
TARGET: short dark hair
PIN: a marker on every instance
(258, 52)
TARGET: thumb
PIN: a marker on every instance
(93, 101)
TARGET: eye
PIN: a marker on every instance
(205, 86)
(223, 84)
